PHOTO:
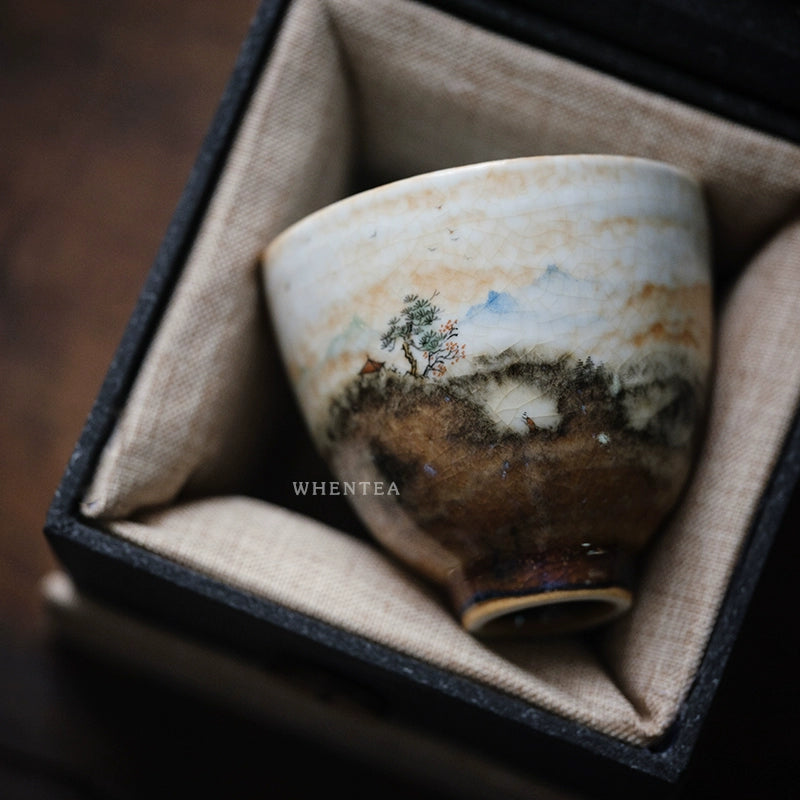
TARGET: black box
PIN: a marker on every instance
(685, 58)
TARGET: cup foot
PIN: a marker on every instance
(558, 594)
(547, 612)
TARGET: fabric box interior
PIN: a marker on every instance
(200, 464)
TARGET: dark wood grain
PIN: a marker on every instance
(103, 107)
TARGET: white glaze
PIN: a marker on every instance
(599, 257)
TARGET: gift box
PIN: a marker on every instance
(180, 504)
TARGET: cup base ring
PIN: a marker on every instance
(553, 612)
(547, 593)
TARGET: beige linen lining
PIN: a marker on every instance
(386, 89)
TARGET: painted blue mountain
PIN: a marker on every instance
(554, 282)
(496, 303)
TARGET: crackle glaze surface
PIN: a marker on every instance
(521, 347)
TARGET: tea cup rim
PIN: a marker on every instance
(401, 185)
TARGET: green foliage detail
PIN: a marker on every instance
(414, 329)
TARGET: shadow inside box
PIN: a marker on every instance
(295, 477)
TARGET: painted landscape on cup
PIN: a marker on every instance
(539, 440)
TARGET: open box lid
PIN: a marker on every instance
(121, 572)
(739, 60)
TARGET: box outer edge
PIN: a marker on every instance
(70, 537)
(550, 24)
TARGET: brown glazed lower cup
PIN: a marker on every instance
(505, 366)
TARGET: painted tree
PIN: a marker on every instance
(415, 328)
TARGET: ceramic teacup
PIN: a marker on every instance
(505, 366)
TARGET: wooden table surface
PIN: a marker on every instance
(103, 107)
